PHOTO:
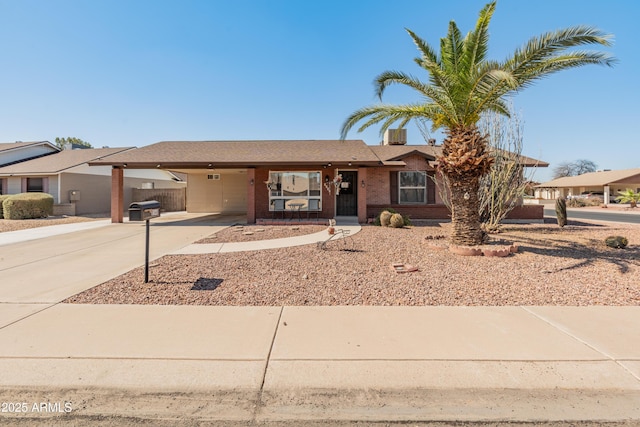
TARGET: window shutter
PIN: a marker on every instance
(431, 190)
(45, 185)
(24, 185)
(393, 187)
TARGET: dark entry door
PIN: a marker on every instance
(347, 200)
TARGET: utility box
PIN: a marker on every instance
(74, 195)
(142, 211)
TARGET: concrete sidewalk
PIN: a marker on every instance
(123, 364)
(301, 364)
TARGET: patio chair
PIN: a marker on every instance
(278, 206)
(313, 207)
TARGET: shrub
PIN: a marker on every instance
(2, 199)
(618, 242)
(28, 206)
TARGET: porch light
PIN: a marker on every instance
(362, 184)
(326, 178)
(251, 182)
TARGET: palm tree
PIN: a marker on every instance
(462, 85)
(629, 196)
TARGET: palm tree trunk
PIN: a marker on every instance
(465, 206)
(465, 159)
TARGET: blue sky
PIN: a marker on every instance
(134, 72)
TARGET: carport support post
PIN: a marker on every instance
(146, 255)
(117, 194)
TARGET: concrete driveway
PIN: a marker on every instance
(51, 269)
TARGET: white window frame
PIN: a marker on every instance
(275, 194)
(400, 188)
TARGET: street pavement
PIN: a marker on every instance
(184, 365)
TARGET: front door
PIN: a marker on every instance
(347, 200)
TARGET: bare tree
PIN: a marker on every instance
(563, 169)
(584, 166)
(578, 167)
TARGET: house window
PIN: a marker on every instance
(2, 186)
(294, 187)
(35, 185)
(412, 187)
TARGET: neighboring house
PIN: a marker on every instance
(257, 178)
(608, 182)
(15, 152)
(77, 188)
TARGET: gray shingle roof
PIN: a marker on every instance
(59, 162)
(13, 145)
(245, 153)
(198, 154)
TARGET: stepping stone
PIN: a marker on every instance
(259, 230)
(247, 233)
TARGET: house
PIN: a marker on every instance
(608, 182)
(77, 188)
(14, 152)
(258, 178)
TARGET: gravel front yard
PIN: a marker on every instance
(569, 266)
(24, 224)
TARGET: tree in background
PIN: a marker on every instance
(463, 83)
(573, 168)
(62, 142)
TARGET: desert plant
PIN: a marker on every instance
(396, 221)
(385, 218)
(503, 187)
(618, 242)
(561, 211)
(2, 199)
(629, 196)
(28, 206)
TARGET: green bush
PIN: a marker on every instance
(2, 199)
(28, 206)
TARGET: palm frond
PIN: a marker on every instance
(451, 49)
(546, 46)
(476, 43)
(436, 93)
(428, 54)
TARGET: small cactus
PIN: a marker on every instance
(396, 221)
(617, 242)
(385, 217)
(561, 211)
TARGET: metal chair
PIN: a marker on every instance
(278, 206)
(313, 207)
